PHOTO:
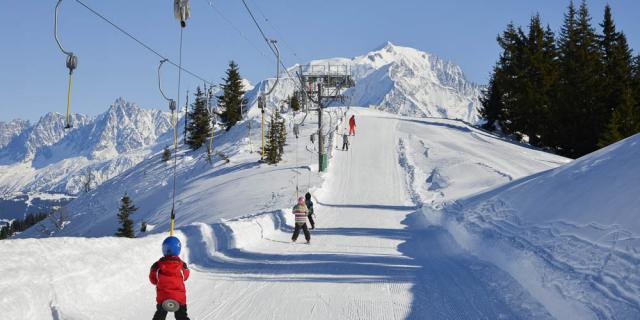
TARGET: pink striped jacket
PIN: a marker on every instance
(300, 210)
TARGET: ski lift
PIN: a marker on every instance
(72, 63)
(182, 11)
(172, 103)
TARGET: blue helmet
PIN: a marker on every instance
(171, 246)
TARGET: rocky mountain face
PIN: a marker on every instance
(46, 157)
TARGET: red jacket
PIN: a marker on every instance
(352, 121)
(168, 275)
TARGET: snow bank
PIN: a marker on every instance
(600, 189)
(77, 278)
(575, 229)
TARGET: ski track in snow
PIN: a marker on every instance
(367, 260)
(392, 242)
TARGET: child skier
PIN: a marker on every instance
(309, 203)
(345, 142)
(168, 275)
(300, 210)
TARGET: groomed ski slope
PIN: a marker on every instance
(373, 255)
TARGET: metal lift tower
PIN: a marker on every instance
(324, 84)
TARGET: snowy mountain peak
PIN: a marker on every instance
(11, 129)
(401, 80)
(57, 159)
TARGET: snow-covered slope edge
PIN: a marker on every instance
(563, 232)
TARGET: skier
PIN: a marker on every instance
(352, 125)
(300, 210)
(296, 130)
(309, 203)
(168, 275)
(345, 142)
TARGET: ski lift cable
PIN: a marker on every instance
(275, 29)
(266, 39)
(141, 43)
(233, 26)
(182, 13)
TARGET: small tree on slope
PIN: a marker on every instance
(232, 99)
(274, 146)
(281, 133)
(166, 154)
(199, 128)
(294, 103)
(126, 224)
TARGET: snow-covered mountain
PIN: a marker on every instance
(46, 157)
(399, 80)
(11, 129)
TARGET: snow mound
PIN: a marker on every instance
(600, 189)
(572, 232)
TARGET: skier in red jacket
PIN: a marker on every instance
(352, 125)
(168, 275)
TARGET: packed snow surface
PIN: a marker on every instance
(401, 234)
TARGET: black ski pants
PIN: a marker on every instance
(296, 231)
(345, 146)
(181, 314)
(313, 223)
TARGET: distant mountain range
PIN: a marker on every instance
(44, 157)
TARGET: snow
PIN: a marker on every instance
(569, 233)
(11, 129)
(48, 158)
(404, 232)
(399, 80)
(423, 217)
(45, 157)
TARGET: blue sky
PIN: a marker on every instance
(33, 73)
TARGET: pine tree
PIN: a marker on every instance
(4, 232)
(510, 68)
(200, 126)
(275, 142)
(617, 85)
(126, 224)
(232, 99)
(492, 106)
(625, 122)
(532, 83)
(166, 154)
(578, 111)
(294, 102)
(282, 133)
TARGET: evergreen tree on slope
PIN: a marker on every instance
(617, 86)
(124, 216)
(232, 99)
(199, 128)
(579, 115)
